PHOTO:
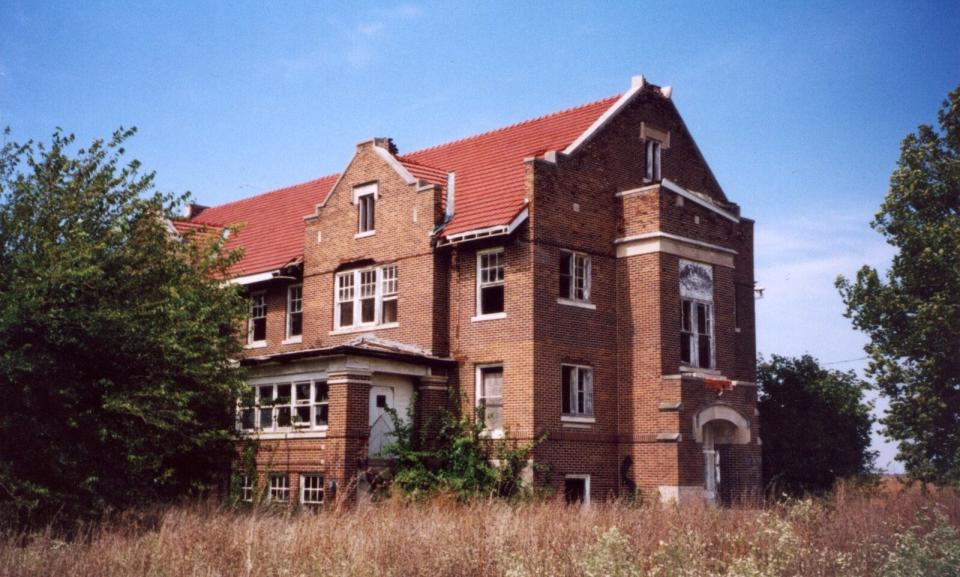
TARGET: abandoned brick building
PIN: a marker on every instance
(581, 274)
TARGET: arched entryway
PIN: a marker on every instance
(717, 427)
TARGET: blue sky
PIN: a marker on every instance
(799, 108)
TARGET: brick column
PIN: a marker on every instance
(433, 394)
(349, 426)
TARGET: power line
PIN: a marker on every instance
(846, 361)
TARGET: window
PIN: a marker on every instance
(294, 311)
(575, 276)
(696, 330)
(388, 304)
(279, 488)
(576, 390)
(576, 489)
(490, 396)
(653, 159)
(696, 314)
(247, 487)
(286, 406)
(490, 282)
(374, 304)
(257, 325)
(365, 197)
(311, 490)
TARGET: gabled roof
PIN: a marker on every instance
(271, 224)
(490, 189)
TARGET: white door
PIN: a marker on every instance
(381, 424)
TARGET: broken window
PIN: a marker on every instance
(490, 285)
(576, 489)
(257, 325)
(294, 311)
(490, 396)
(576, 390)
(696, 314)
(286, 406)
(575, 276)
(653, 159)
(279, 488)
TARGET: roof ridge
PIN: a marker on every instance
(514, 125)
(259, 194)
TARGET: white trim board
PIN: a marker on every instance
(672, 244)
(636, 85)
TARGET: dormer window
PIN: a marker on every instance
(365, 197)
(653, 159)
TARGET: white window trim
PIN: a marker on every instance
(252, 344)
(490, 316)
(248, 483)
(587, 281)
(270, 487)
(578, 417)
(694, 365)
(586, 487)
(311, 430)
(357, 306)
(578, 304)
(358, 193)
(303, 489)
(293, 338)
(489, 433)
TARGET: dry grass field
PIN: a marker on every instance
(888, 533)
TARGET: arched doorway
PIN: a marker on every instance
(716, 428)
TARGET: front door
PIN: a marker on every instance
(381, 423)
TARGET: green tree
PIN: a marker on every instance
(116, 338)
(912, 317)
(814, 423)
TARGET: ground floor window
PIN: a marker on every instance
(247, 486)
(311, 490)
(490, 396)
(279, 488)
(576, 489)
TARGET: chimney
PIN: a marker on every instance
(193, 209)
(451, 197)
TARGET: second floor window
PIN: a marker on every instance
(366, 297)
(653, 159)
(575, 276)
(257, 325)
(490, 285)
(576, 392)
(696, 314)
(295, 311)
(365, 197)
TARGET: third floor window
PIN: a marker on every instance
(365, 197)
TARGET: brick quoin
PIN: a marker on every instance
(571, 181)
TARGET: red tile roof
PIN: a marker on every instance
(489, 187)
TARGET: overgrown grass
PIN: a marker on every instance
(885, 534)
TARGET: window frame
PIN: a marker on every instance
(283, 489)
(290, 337)
(481, 284)
(362, 195)
(357, 298)
(313, 503)
(251, 319)
(480, 397)
(248, 488)
(588, 409)
(571, 297)
(586, 487)
(693, 335)
(653, 169)
(314, 402)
